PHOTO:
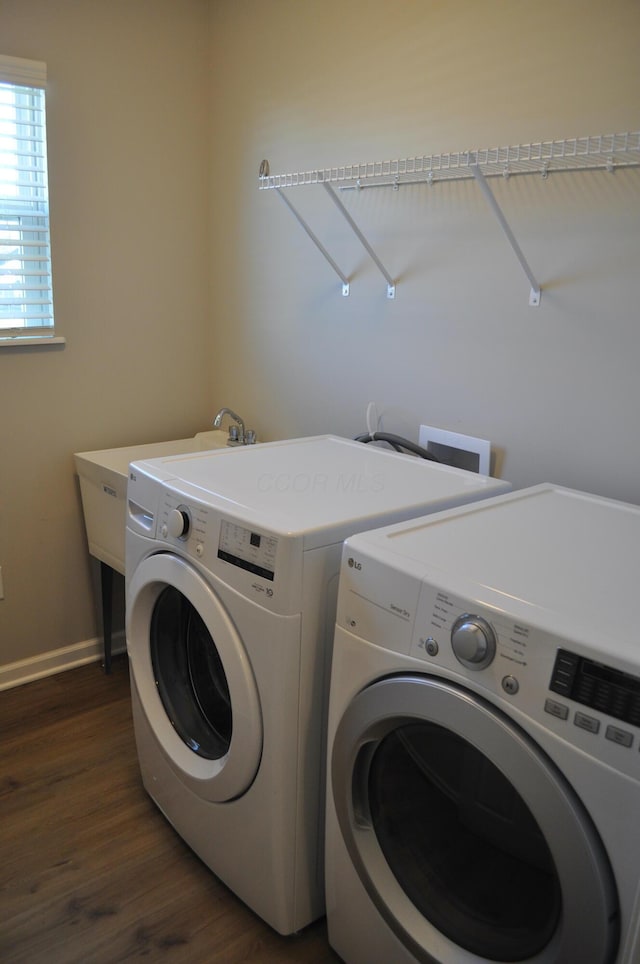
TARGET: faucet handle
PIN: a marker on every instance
(250, 437)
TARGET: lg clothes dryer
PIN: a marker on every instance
(232, 562)
(484, 734)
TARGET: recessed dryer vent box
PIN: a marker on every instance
(462, 451)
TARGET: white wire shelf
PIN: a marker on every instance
(600, 152)
(606, 152)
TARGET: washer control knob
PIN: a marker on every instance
(178, 523)
(473, 641)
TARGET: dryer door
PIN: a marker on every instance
(193, 677)
(467, 838)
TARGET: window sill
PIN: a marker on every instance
(37, 341)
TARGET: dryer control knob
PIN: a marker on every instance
(473, 641)
(178, 523)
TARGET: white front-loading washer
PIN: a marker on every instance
(232, 561)
(483, 787)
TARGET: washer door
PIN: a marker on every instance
(194, 678)
(467, 838)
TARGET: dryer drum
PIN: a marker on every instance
(465, 834)
(462, 843)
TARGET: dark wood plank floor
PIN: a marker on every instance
(90, 871)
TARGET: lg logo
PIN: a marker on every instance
(353, 564)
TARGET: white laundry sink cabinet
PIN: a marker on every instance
(103, 487)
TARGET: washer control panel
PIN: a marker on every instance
(248, 549)
(201, 532)
(184, 525)
(234, 551)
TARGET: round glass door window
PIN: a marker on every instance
(464, 832)
(462, 843)
(189, 676)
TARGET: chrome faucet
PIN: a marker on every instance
(237, 433)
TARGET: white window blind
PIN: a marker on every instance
(26, 291)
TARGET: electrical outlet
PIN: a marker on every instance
(452, 448)
(1, 585)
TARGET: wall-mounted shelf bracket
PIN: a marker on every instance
(601, 152)
(391, 285)
(321, 248)
(481, 181)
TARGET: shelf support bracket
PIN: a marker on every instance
(534, 296)
(303, 224)
(391, 285)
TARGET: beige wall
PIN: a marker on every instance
(152, 350)
(313, 85)
(128, 160)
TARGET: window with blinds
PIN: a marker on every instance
(26, 292)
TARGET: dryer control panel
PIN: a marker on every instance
(587, 703)
(597, 686)
(538, 676)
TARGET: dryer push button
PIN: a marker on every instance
(586, 722)
(510, 685)
(431, 646)
(619, 736)
(554, 708)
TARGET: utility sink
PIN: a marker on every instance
(103, 487)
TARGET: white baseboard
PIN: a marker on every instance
(58, 660)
